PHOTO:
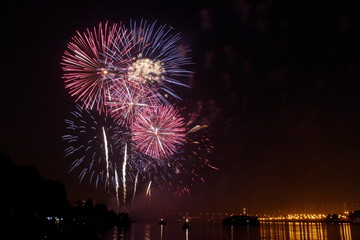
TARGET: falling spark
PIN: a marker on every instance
(135, 184)
(148, 192)
(197, 128)
(117, 189)
(161, 231)
(106, 156)
(124, 174)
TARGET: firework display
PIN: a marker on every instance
(127, 100)
(156, 57)
(126, 129)
(159, 132)
(93, 140)
(88, 71)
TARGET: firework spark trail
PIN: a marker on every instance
(106, 156)
(117, 186)
(93, 140)
(124, 174)
(148, 192)
(135, 186)
(148, 189)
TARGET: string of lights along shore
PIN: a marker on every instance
(127, 130)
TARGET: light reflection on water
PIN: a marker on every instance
(202, 230)
(307, 230)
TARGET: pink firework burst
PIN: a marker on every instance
(88, 70)
(126, 100)
(159, 132)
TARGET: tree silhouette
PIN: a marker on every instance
(24, 190)
(37, 205)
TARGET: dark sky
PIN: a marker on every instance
(279, 84)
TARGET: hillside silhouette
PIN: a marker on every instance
(37, 208)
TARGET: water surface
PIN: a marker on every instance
(214, 230)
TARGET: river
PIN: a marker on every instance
(214, 230)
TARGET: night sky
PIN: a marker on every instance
(279, 84)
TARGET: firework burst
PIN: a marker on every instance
(156, 58)
(188, 165)
(132, 75)
(128, 100)
(93, 142)
(87, 65)
(159, 132)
